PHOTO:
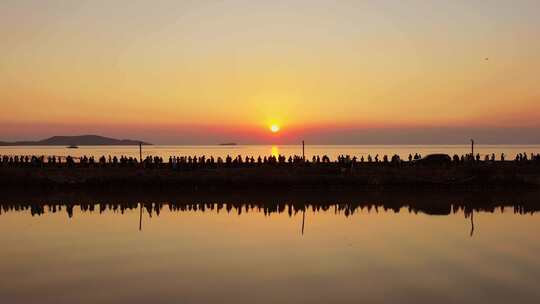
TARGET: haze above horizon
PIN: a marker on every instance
(206, 72)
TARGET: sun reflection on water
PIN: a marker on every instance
(275, 151)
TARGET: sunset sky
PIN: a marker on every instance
(181, 72)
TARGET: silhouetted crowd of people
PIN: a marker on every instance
(191, 162)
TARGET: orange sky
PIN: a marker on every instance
(182, 71)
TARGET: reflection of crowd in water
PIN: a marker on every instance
(184, 162)
(347, 209)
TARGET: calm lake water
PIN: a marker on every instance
(277, 251)
(255, 150)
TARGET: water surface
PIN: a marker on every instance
(288, 150)
(207, 251)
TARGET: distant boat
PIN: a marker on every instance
(72, 147)
(228, 144)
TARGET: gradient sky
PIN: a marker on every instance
(213, 71)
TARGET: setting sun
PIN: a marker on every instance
(274, 128)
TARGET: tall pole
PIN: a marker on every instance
(472, 222)
(303, 219)
(140, 217)
(140, 152)
(472, 148)
(303, 151)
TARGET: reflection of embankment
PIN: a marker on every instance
(339, 202)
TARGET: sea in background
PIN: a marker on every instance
(332, 151)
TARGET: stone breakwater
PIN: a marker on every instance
(498, 174)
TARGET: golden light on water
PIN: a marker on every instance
(275, 151)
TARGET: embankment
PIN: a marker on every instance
(494, 175)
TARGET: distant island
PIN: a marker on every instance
(228, 144)
(80, 140)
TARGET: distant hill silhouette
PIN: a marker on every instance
(81, 140)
